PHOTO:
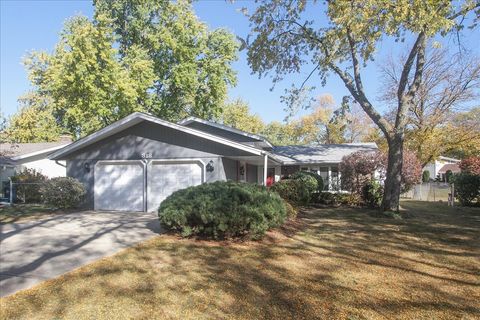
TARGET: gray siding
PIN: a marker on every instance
(252, 173)
(230, 168)
(161, 143)
(221, 133)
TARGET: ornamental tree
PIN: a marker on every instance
(471, 165)
(289, 35)
(360, 167)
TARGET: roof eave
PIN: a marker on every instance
(136, 118)
(189, 120)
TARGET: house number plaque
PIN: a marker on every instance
(147, 155)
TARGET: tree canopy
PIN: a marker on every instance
(286, 38)
(326, 123)
(153, 56)
(34, 122)
(191, 64)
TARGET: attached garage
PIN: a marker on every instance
(166, 177)
(137, 162)
(119, 185)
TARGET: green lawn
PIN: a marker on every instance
(24, 212)
(329, 264)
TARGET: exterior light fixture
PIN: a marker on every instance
(86, 166)
(210, 167)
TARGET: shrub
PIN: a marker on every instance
(291, 210)
(426, 176)
(470, 165)
(467, 188)
(292, 190)
(411, 170)
(449, 176)
(333, 199)
(316, 176)
(372, 194)
(222, 210)
(308, 179)
(358, 169)
(27, 184)
(63, 192)
(328, 198)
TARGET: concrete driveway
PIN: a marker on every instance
(35, 251)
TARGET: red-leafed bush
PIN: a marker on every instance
(470, 165)
(411, 170)
(358, 170)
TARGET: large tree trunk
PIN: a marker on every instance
(393, 179)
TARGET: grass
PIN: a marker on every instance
(24, 212)
(329, 264)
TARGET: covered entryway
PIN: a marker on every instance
(119, 186)
(166, 177)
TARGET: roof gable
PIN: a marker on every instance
(136, 118)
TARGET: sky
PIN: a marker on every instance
(35, 25)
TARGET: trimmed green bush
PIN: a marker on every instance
(291, 210)
(334, 199)
(303, 175)
(292, 190)
(223, 210)
(63, 192)
(467, 188)
(426, 176)
(372, 193)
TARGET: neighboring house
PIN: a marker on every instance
(439, 167)
(138, 161)
(18, 156)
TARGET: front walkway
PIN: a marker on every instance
(34, 251)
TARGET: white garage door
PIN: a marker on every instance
(165, 178)
(119, 186)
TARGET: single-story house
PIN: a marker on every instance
(438, 168)
(138, 161)
(18, 156)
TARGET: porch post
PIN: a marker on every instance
(265, 163)
(329, 178)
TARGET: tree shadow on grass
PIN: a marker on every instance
(331, 263)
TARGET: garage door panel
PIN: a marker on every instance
(166, 178)
(119, 186)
